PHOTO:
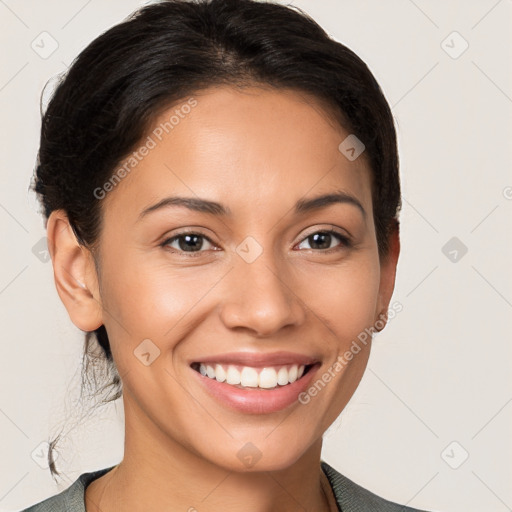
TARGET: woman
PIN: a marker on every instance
(220, 183)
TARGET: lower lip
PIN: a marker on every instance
(257, 400)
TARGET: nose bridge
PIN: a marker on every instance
(259, 296)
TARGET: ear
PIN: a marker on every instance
(74, 272)
(387, 276)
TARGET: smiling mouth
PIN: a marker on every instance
(248, 377)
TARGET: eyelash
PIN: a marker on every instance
(345, 242)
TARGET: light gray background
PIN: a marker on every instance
(438, 384)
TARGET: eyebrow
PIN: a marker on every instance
(315, 203)
(302, 206)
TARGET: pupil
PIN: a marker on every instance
(192, 240)
(326, 236)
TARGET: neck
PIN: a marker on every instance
(158, 473)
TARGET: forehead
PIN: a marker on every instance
(252, 146)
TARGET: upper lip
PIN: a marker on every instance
(258, 359)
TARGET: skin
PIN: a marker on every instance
(256, 151)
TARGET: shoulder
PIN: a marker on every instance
(351, 497)
(71, 499)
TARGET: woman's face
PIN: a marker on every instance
(253, 277)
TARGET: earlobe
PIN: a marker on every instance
(387, 277)
(74, 273)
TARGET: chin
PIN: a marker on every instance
(261, 454)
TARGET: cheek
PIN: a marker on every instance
(343, 298)
(155, 301)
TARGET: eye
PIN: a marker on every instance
(188, 242)
(192, 242)
(322, 240)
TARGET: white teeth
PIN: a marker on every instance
(210, 372)
(267, 378)
(220, 374)
(282, 376)
(233, 375)
(249, 377)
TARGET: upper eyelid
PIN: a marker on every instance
(168, 240)
(345, 239)
(330, 228)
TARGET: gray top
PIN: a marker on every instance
(350, 496)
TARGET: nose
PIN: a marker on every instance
(260, 299)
